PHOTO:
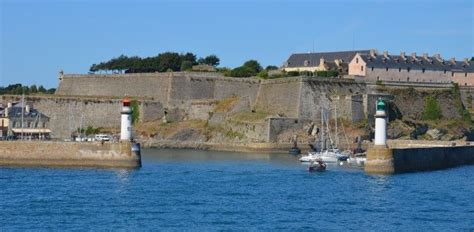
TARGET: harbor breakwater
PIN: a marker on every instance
(383, 160)
(69, 154)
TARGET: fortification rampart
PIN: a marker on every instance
(67, 114)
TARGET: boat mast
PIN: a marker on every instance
(22, 112)
(322, 128)
(336, 138)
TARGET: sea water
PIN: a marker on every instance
(205, 190)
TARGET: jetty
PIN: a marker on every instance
(122, 154)
(382, 159)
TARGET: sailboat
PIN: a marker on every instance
(328, 155)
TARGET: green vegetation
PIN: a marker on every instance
(135, 111)
(234, 134)
(327, 73)
(249, 116)
(226, 104)
(432, 110)
(18, 89)
(465, 115)
(167, 61)
(248, 69)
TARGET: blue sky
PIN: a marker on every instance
(39, 38)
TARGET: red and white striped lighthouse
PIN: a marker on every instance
(126, 125)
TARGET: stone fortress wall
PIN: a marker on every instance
(97, 98)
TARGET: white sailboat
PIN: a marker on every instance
(328, 155)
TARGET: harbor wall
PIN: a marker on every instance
(401, 160)
(55, 153)
(67, 114)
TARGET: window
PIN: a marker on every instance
(372, 68)
(445, 71)
(361, 68)
(14, 124)
(29, 125)
(408, 69)
(399, 69)
(357, 60)
(423, 70)
(408, 79)
(386, 69)
(378, 78)
(452, 74)
(465, 74)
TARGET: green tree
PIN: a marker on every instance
(242, 71)
(271, 67)
(33, 89)
(431, 110)
(41, 89)
(169, 61)
(186, 65)
(253, 65)
(212, 60)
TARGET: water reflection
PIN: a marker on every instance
(189, 155)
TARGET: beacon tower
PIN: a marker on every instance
(380, 124)
(126, 125)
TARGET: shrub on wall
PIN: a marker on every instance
(465, 115)
(135, 111)
(432, 110)
(293, 73)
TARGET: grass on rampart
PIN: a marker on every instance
(225, 105)
(150, 129)
(250, 117)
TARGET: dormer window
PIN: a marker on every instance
(372, 68)
(423, 70)
(408, 69)
(445, 71)
(386, 69)
(399, 69)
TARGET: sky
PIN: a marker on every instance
(40, 38)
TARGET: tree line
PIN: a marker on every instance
(17, 89)
(163, 62)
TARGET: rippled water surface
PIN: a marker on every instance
(204, 190)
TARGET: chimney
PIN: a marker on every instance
(402, 55)
(385, 54)
(338, 62)
(438, 57)
(466, 61)
(7, 110)
(425, 56)
(321, 61)
(453, 60)
(9, 105)
(373, 52)
(27, 108)
(413, 55)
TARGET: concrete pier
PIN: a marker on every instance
(383, 160)
(78, 154)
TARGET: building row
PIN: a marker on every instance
(21, 121)
(372, 66)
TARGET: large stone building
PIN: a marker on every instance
(374, 67)
(20, 121)
(321, 61)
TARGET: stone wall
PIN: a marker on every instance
(276, 126)
(50, 153)
(67, 114)
(116, 85)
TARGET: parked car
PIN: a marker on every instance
(102, 137)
